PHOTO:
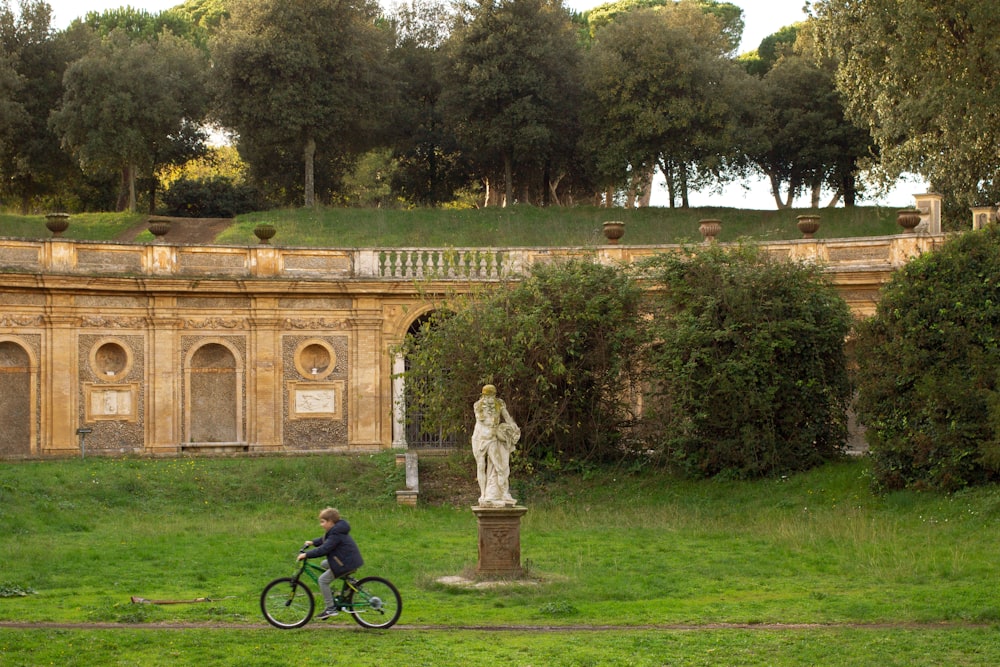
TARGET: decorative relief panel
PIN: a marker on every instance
(216, 323)
(315, 400)
(21, 320)
(99, 322)
(118, 402)
(315, 323)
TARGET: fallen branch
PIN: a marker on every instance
(138, 600)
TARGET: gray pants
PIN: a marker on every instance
(325, 580)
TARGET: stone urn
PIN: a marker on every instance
(709, 229)
(614, 230)
(264, 232)
(908, 219)
(57, 223)
(807, 224)
(158, 227)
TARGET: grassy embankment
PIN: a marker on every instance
(513, 227)
(810, 569)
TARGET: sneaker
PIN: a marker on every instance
(328, 613)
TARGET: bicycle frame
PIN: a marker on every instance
(313, 571)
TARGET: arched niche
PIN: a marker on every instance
(17, 398)
(213, 376)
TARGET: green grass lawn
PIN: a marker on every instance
(627, 568)
(494, 227)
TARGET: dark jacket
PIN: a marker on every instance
(339, 549)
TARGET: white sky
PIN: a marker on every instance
(761, 18)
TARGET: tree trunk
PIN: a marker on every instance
(152, 194)
(309, 159)
(131, 188)
(647, 186)
(776, 190)
(122, 202)
(835, 199)
(850, 189)
(554, 189)
(668, 174)
(684, 186)
(817, 188)
(508, 177)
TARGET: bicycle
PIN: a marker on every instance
(288, 602)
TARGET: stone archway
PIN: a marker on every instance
(413, 427)
(15, 400)
(214, 394)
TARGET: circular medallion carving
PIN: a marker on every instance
(315, 359)
(110, 360)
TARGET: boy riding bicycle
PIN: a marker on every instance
(340, 551)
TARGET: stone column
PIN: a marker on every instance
(499, 540)
(398, 402)
(929, 204)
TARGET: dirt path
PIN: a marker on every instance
(189, 231)
(666, 627)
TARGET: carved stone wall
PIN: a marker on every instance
(315, 373)
(112, 389)
(161, 349)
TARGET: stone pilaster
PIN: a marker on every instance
(265, 404)
(364, 411)
(163, 404)
(60, 404)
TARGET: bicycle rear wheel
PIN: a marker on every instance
(374, 603)
(287, 603)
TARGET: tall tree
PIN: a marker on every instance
(512, 88)
(302, 81)
(797, 133)
(663, 89)
(133, 106)
(924, 77)
(32, 164)
(429, 165)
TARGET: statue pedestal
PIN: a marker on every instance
(499, 540)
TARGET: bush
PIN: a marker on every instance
(747, 376)
(560, 348)
(928, 365)
(215, 197)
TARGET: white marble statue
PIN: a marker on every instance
(493, 441)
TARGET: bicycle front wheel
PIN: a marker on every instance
(287, 603)
(374, 603)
